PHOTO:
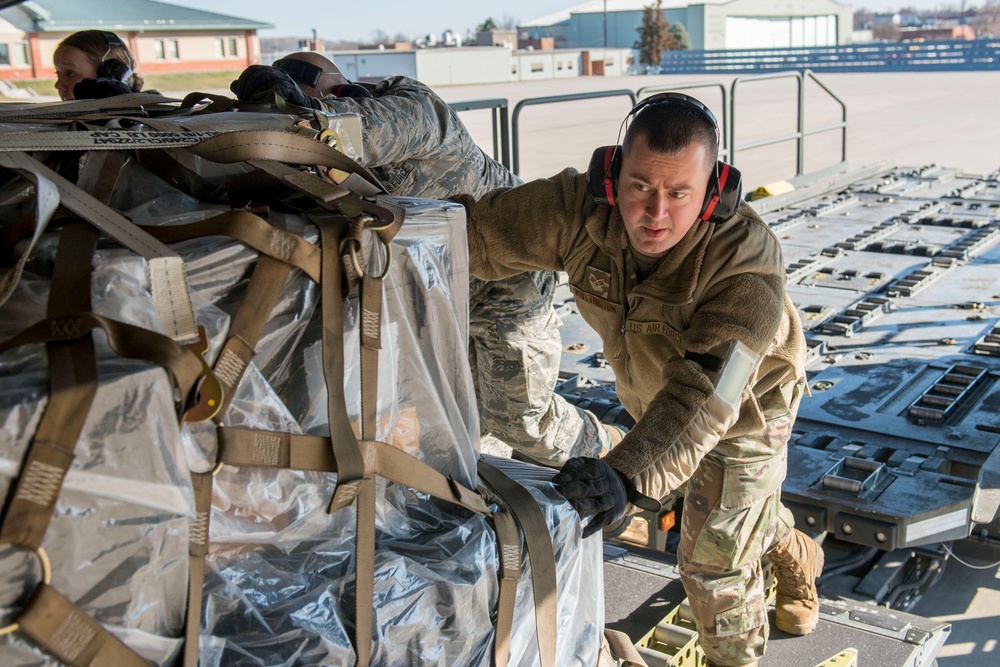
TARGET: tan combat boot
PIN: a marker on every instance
(798, 562)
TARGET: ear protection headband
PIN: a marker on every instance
(307, 74)
(302, 73)
(113, 68)
(723, 195)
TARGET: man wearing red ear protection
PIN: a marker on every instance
(708, 355)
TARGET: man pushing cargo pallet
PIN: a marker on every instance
(685, 285)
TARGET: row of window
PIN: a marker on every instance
(169, 49)
(164, 49)
(16, 54)
(540, 67)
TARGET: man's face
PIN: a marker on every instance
(660, 195)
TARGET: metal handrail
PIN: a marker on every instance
(531, 101)
(843, 115)
(800, 132)
(724, 149)
(500, 115)
(505, 144)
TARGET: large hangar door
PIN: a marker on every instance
(780, 32)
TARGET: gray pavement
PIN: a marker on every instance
(911, 118)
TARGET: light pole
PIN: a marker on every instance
(605, 33)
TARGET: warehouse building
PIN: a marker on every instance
(711, 24)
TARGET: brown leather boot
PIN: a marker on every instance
(797, 561)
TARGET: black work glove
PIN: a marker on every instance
(258, 80)
(350, 90)
(98, 89)
(594, 487)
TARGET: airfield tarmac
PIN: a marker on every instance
(909, 119)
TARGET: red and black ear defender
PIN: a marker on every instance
(724, 192)
(113, 68)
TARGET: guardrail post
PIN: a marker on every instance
(532, 101)
(498, 109)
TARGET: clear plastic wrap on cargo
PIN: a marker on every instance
(279, 584)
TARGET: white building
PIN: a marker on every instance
(711, 24)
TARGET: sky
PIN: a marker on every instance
(347, 20)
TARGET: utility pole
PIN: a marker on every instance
(605, 31)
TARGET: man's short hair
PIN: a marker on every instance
(669, 127)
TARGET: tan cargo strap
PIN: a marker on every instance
(255, 448)
(386, 218)
(251, 230)
(185, 367)
(216, 103)
(99, 174)
(197, 550)
(249, 145)
(343, 440)
(623, 649)
(279, 252)
(371, 343)
(52, 621)
(217, 146)
(110, 139)
(538, 541)
(71, 636)
(71, 109)
(46, 203)
(72, 387)
(364, 573)
(166, 269)
(509, 550)
(352, 481)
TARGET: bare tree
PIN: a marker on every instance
(508, 22)
(863, 19)
(886, 30)
(987, 20)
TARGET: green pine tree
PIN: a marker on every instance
(655, 35)
(680, 33)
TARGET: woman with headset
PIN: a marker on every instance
(94, 64)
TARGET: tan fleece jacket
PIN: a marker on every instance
(721, 282)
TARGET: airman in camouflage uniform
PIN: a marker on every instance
(668, 288)
(417, 146)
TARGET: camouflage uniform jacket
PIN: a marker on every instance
(720, 282)
(416, 144)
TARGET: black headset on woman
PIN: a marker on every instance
(113, 68)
